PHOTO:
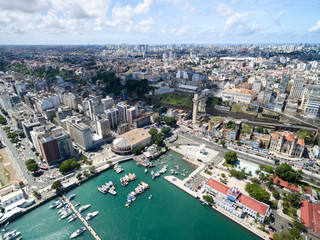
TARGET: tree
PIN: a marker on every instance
(257, 192)
(85, 173)
(276, 194)
(285, 172)
(276, 161)
(238, 174)
(223, 142)
(69, 165)
(31, 160)
(231, 157)
(208, 198)
(109, 162)
(56, 185)
(21, 135)
(92, 169)
(79, 175)
(159, 142)
(153, 131)
(51, 118)
(33, 149)
(33, 167)
(36, 195)
(166, 130)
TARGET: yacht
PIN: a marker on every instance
(91, 215)
(55, 204)
(72, 196)
(61, 204)
(11, 235)
(146, 170)
(78, 232)
(83, 208)
(72, 218)
(77, 204)
(67, 214)
(112, 191)
(150, 196)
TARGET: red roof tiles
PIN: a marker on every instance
(310, 215)
(218, 186)
(289, 137)
(285, 184)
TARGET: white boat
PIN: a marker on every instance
(77, 204)
(112, 191)
(72, 196)
(11, 235)
(67, 214)
(55, 204)
(151, 172)
(78, 232)
(72, 218)
(146, 170)
(81, 209)
(150, 196)
(91, 215)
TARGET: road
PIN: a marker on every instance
(250, 156)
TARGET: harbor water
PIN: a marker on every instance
(169, 214)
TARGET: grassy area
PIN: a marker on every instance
(225, 164)
(292, 212)
(310, 186)
(238, 108)
(4, 173)
(175, 99)
(268, 112)
(246, 129)
(213, 120)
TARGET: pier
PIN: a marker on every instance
(94, 234)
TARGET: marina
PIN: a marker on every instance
(169, 214)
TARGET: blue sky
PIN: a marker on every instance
(159, 21)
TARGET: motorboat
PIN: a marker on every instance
(78, 232)
(72, 218)
(146, 170)
(112, 191)
(61, 204)
(102, 190)
(77, 204)
(67, 214)
(150, 196)
(85, 207)
(72, 196)
(11, 235)
(55, 204)
(91, 215)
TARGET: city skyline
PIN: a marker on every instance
(158, 22)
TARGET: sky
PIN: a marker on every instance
(159, 21)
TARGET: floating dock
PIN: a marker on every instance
(94, 234)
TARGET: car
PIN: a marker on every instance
(290, 225)
(281, 227)
(271, 228)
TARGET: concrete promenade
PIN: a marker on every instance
(94, 234)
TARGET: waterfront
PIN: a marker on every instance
(170, 214)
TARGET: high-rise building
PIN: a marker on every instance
(283, 84)
(81, 134)
(107, 102)
(297, 88)
(267, 97)
(113, 115)
(124, 95)
(122, 112)
(256, 86)
(132, 113)
(103, 128)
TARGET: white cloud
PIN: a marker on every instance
(276, 17)
(224, 10)
(315, 28)
(237, 24)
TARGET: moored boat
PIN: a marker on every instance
(72, 196)
(11, 235)
(77, 204)
(91, 215)
(72, 218)
(85, 207)
(78, 232)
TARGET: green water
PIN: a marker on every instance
(170, 214)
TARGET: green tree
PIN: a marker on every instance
(238, 174)
(56, 185)
(33, 149)
(159, 142)
(69, 165)
(31, 160)
(285, 172)
(92, 169)
(153, 132)
(79, 175)
(231, 157)
(257, 192)
(33, 167)
(208, 198)
(166, 130)
(51, 118)
(223, 142)
(21, 135)
(36, 195)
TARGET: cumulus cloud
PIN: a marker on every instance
(315, 28)
(239, 24)
(224, 10)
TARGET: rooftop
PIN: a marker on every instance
(136, 135)
(289, 137)
(310, 214)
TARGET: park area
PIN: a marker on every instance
(8, 172)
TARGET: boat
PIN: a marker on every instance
(67, 214)
(77, 204)
(146, 170)
(91, 215)
(55, 204)
(72, 218)
(11, 235)
(112, 191)
(150, 196)
(102, 190)
(151, 172)
(78, 232)
(5, 229)
(61, 204)
(153, 177)
(83, 208)
(72, 196)
(19, 238)
(6, 225)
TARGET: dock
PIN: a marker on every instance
(94, 234)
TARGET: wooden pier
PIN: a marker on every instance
(94, 234)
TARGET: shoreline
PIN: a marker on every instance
(175, 181)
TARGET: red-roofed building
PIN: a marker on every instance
(285, 184)
(310, 215)
(235, 202)
(287, 144)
